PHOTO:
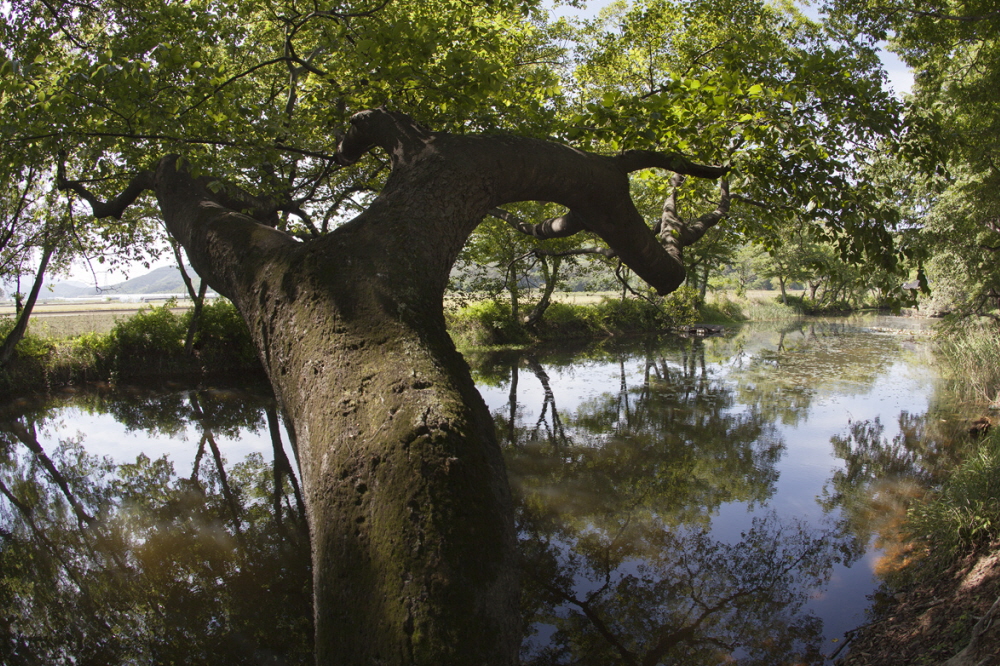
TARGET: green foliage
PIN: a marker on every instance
(723, 310)
(962, 515)
(490, 323)
(31, 346)
(947, 178)
(147, 345)
(756, 86)
(148, 334)
(222, 336)
(486, 323)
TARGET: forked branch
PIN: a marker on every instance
(678, 233)
(115, 208)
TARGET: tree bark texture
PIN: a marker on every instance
(407, 497)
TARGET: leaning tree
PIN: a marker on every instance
(407, 498)
(409, 509)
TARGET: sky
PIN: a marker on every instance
(899, 75)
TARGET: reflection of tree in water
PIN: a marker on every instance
(655, 594)
(106, 563)
(672, 444)
(613, 505)
(110, 563)
(881, 476)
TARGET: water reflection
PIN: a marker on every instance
(615, 501)
(781, 372)
(881, 476)
(628, 463)
(106, 562)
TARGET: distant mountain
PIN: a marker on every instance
(166, 280)
(67, 289)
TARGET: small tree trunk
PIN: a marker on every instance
(813, 286)
(195, 324)
(21, 326)
(784, 296)
(197, 298)
(551, 278)
(514, 292)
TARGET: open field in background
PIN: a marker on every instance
(62, 319)
(590, 297)
(587, 297)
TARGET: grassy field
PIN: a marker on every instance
(62, 319)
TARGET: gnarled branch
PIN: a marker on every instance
(678, 233)
(115, 208)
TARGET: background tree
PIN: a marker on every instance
(950, 144)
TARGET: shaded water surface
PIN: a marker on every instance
(677, 501)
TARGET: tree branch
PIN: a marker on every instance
(675, 231)
(553, 227)
(114, 208)
(634, 160)
(396, 133)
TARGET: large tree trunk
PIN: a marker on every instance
(410, 513)
(406, 493)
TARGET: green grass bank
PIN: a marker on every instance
(149, 345)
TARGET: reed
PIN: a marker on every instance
(972, 352)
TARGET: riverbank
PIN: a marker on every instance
(110, 341)
(487, 323)
(145, 346)
(934, 622)
(940, 602)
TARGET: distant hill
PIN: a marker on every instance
(166, 280)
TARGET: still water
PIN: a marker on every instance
(678, 501)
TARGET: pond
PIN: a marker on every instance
(683, 501)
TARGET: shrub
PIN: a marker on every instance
(722, 311)
(681, 308)
(223, 339)
(973, 353)
(485, 323)
(31, 346)
(152, 340)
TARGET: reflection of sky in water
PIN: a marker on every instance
(104, 436)
(844, 379)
